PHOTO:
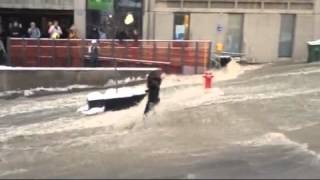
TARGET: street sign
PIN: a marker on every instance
(219, 28)
(103, 5)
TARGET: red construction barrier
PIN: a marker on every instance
(172, 56)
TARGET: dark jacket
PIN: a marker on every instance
(16, 32)
(94, 34)
(122, 35)
(153, 83)
(3, 54)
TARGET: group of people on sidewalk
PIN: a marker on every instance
(16, 30)
(54, 31)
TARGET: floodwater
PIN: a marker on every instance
(257, 122)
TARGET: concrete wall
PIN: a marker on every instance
(163, 28)
(148, 22)
(261, 36)
(80, 17)
(261, 24)
(24, 78)
(148, 25)
(317, 20)
(304, 32)
(38, 4)
(209, 32)
(164, 22)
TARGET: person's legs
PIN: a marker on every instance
(146, 109)
(149, 107)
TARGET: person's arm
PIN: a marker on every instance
(2, 46)
(38, 33)
(90, 49)
(59, 30)
(51, 30)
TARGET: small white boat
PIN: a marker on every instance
(116, 99)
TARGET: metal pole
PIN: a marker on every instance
(196, 58)
(38, 53)
(82, 54)
(115, 65)
(69, 62)
(24, 51)
(169, 53)
(127, 49)
(9, 62)
(182, 50)
(97, 63)
(54, 53)
(140, 49)
(210, 54)
(112, 54)
(154, 54)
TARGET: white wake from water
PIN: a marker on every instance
(279, 139)
(126, 119)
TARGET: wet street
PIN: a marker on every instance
(257, 122)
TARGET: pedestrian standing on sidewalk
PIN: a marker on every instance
(73, 33)
(94, 53)
(3, 54)
(15, 30)
(34, 31)
(55, 30)
(94, 33)
(135, 35)
(46, 32)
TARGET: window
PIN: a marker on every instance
(105, 18)
(181, 26)
(287, 35)
(125, 7)
(233, 41)
(130, 3)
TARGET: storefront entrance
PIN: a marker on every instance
(108, 18)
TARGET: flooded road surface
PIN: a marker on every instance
(259, 123)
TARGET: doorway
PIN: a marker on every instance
(287, 30)
(234, 37)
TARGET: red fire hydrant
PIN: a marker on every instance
(208, 80)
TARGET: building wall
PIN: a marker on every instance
(148, 20)
(261, 36)
(262, 23)
(38, 4)
(80, 17)
(147, 25)
(163, 28)
(209, 32)
(304, 32)
(317, 20)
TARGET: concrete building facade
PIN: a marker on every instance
(263, 30)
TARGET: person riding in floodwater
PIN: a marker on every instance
(153, 83)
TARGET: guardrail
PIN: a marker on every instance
(172, 56)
